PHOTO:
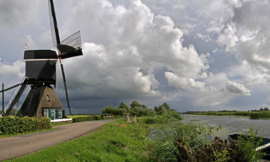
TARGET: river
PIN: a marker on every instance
(232, 124)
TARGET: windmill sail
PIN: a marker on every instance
(53, 24)
(71, 46)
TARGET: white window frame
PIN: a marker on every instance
(60, 115)
(46, 111)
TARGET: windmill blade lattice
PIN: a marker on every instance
(53, 24)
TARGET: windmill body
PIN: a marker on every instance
(40, 74)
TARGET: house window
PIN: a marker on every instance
(48, 98)
(60, 114)
(45, 112)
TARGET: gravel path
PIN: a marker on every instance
(12, 147)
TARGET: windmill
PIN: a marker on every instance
(40, 73)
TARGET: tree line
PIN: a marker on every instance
(137, 109)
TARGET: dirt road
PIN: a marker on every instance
(12, 147)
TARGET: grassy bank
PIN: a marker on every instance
(117, 141)
(221, 113)
(250, 114)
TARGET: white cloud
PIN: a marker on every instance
(184, 83)
(237, 88)
(124, 45)
(122, 48)
(228, 38)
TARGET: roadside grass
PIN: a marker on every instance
(117, 141)
(18, 134)
(60, 123)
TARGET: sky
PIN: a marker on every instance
(195, 55)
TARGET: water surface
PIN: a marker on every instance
(232, 124)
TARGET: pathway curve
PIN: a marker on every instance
(17, 146)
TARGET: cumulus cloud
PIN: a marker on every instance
(123, 47)
(237, 88)
(184, 83)
(228, 38)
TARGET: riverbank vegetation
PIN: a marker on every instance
(259, 114)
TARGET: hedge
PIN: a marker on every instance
(13, 125)
(86, 118)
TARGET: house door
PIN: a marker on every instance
(52, 115)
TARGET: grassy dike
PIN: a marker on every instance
(117, 141)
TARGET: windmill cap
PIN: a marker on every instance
(40, 54)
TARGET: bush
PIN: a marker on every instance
(255, 116)
(176, 115)
(112, 110)
(97, 117)
(87, 118)
(163, 109)
(260, 115)
(154, 120)
(82, 119)
(248, 145)
(141, 111)
(13, 125)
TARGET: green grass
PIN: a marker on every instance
(250, 114)
(18, 134)
(260, 115)
(60, 123)
(117, 141)
(222, 113)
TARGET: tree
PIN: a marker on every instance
(112, 110)
(167, 106)
(124, 107)
(134, 104)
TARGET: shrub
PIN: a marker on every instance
(97, 117)
(87, 118)
(13, 125)
(162, 109)
(151, 112)
(154, 120)
(139, 111)
(124, 107)
(112, 110)
(260, 115)
(255, 116)
(248, 145)
(134, 104)
(82, 119)
(176, 115)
